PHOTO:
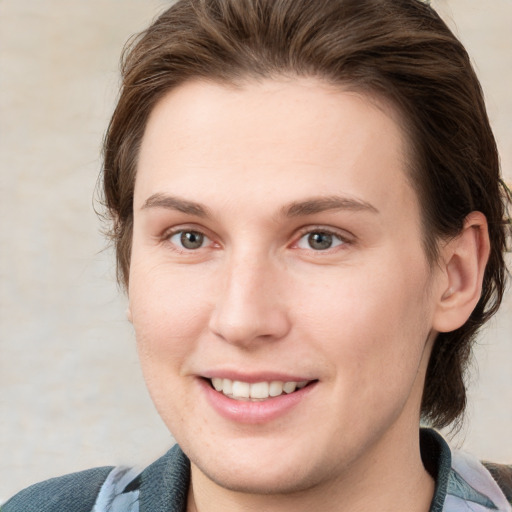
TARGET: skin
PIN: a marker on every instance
(358, 318)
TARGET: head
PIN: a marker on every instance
(398, 54)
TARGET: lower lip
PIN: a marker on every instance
(248, 412)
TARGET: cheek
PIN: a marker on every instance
(373, 325)
(170, 311)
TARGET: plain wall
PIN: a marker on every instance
(71, 393)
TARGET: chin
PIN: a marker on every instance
(260, 467)
(258, 481)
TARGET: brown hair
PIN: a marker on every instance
(398, 49)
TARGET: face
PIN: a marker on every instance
(280, 295)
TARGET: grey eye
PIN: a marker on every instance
(319, 241)
(189, 240)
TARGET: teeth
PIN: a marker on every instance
(259, 390)
(276, 388)
(217, 384)
(239, 390)
(289, 387)
(227, 386)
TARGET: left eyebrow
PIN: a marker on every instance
(175, 203)
(322, 204)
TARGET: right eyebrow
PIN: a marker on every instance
(175, 203)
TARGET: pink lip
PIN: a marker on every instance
(248, 412)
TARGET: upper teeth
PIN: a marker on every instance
(259, 390)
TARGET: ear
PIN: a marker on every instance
(463, 262)
(129, 314)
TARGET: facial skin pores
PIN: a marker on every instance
(279, 289)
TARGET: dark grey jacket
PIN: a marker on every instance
(162, 486)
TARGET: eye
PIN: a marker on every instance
(189, 240)
(319, 241)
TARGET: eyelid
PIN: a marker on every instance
(170, 232)
(344, 236)
(203, 238)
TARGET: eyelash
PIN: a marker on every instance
(306, 232)
(181, 231)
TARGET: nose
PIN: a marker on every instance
(250, 307)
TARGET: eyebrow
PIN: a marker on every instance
(322, 204)
(294, 209)
(175, 203)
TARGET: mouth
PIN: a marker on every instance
(257, 391)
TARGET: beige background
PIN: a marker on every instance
(71, 394)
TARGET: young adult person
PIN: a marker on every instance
(310, 224)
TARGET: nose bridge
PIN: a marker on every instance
(250, 305)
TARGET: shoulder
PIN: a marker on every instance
(463, 483)
(485, 484)
(502, 474)
(163, 485)
(75, 492)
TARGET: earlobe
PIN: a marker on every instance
(464, 260)
(129, 314)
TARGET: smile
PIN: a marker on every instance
(239, 390)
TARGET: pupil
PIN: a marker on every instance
(320, 240)
(191, 239)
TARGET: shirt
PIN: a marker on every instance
(463, 484)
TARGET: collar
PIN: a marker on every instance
(463, 483)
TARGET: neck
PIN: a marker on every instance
(390, 477)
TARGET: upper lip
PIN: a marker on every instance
(253, 377)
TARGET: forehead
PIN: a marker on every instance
(278, 138)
